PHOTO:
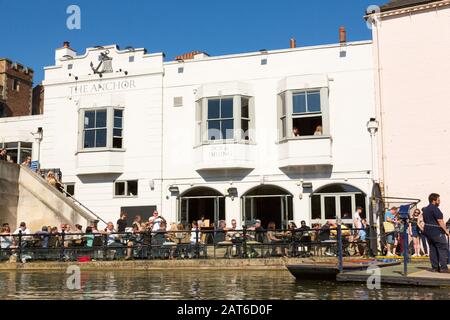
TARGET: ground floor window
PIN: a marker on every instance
(267, 203)
(201, 202)
(126, 188)
(18, 152)
(337, 201)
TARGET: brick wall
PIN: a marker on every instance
(17, 89)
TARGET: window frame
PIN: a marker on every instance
(19, 149)
(126, 182)
(109, 129)
(201, 115)
(286, 103)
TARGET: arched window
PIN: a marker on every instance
(337, 201)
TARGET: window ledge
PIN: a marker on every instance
(284, 140)
(100, 150)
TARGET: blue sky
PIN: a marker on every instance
(31, 30)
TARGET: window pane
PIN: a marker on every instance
(117, 122)
(100, 138)
(244, 129)
(26, 145)
(24, 153)
(314, 101)
(89, 138)
(11, 145)
(226, 108)
(227, 129)
(117, 132)
(70, 189)
(308, 126)
(100, 121)
(346, 207)
(118, 113)
(299, 103)
(244, 108)
(117, 143)
(120, 189)
(330, 208)
(213, 108)
(132, 188)
(89, 117)
(214, 130)
(316, 211)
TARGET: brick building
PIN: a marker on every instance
(16, 87)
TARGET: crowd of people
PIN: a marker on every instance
(424, 231)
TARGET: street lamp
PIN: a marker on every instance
(372, 127)
(38, 136)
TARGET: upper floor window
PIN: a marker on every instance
(220, 119)
(224, 118)
(126, 188)
(307, 114)
(95, 129)
(16, 85)
(303, 113)
(102, 128)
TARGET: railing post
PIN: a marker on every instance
(63, 235)
(197, 247)
(244, 244)
(339, 241)
(105, 246)
(405, 248)
(20, 245)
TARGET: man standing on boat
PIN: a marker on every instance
(436, 232)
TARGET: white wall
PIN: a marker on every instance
(141, 128)
(351, 103)
(414, 64)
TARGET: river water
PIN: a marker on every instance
(176, 284)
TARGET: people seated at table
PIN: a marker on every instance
(43, 235)
(6, 240)
(274, 238)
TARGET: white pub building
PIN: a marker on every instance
(272, 135)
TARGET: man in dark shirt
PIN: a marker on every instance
(436, 232)
(122, 222)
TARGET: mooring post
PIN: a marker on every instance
(405, 248)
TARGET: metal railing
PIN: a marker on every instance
(183, 244)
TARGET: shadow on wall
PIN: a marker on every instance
(308, 172)
(224, 175)
(9, 192)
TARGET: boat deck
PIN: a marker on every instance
(418, 275)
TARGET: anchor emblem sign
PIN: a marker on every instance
(105, 65)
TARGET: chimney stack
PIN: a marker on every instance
(342, 35)
(293, 43)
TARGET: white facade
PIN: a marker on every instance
(166, 116)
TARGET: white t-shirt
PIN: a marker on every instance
(26, 231)
(194, 236)
(156, 224)
(357, 220)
